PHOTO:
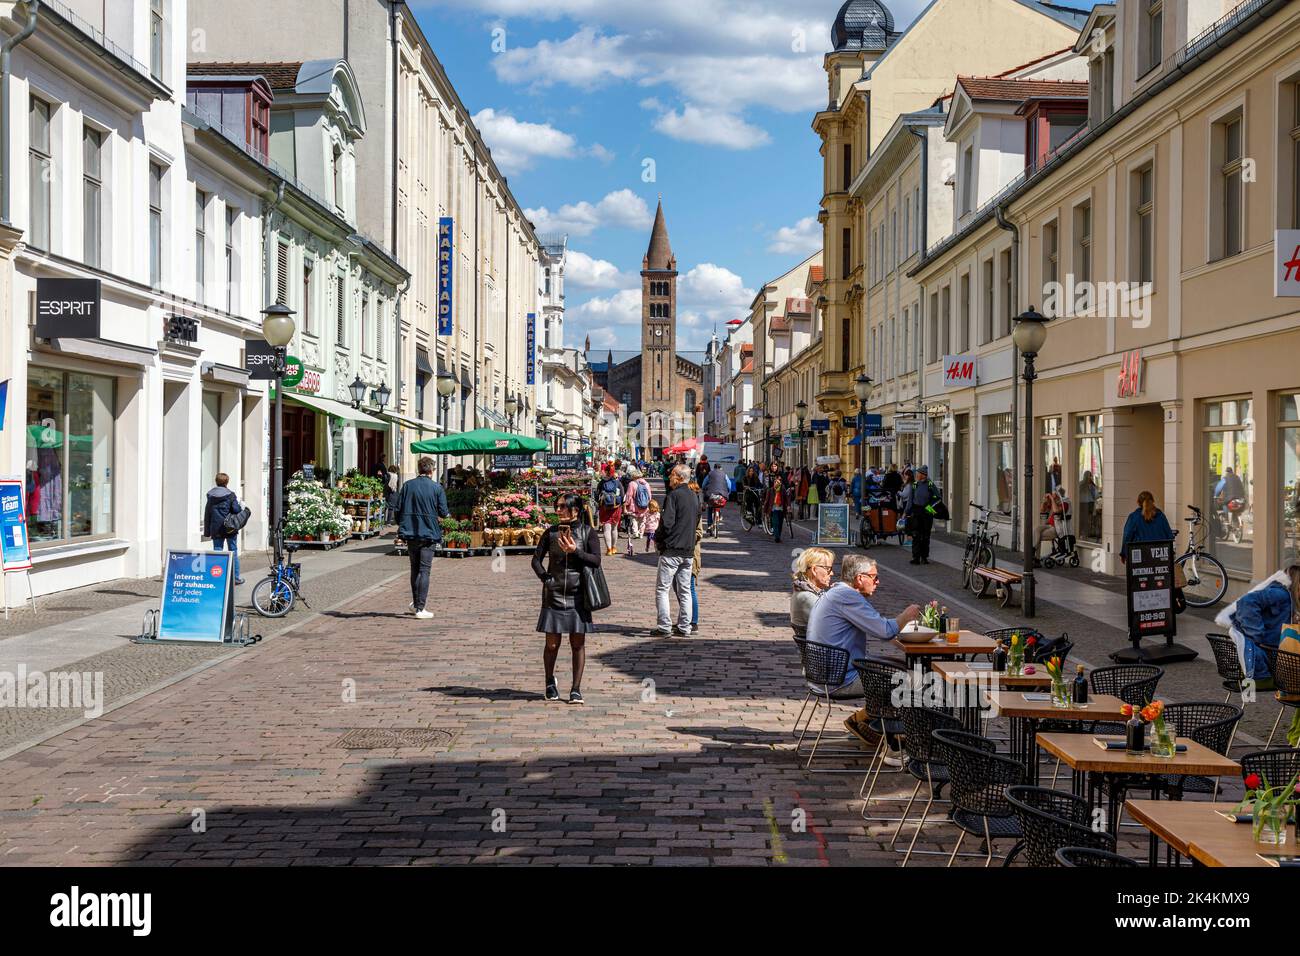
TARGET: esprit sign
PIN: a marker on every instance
(1286, 264)
(958, 372)
(446, 272)
(1129, 383)
(67, 308)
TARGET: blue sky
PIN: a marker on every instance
(577, 97)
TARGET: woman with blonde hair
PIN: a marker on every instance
(814, 572)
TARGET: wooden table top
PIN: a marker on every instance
(1099, 707)
(1196, 830)
(968, 643)
(959, 671)
(1080, 752)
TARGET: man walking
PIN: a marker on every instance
(221, 514)
(676, 541)
(420, 504)
(920, 515)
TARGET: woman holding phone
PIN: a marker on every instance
(561, 554)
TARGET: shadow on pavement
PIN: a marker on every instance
(482, 693)
(704, 667)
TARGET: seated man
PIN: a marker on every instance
(843, 617)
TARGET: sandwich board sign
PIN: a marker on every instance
(198, 597)
(1149, 567)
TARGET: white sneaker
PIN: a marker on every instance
(423, 615)
(892, 759)
(411, 606)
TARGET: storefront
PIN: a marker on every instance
(331, 436)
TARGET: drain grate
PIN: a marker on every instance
(396, 738)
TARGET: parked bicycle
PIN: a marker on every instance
(980, 545)
(274, 595)
(1207, 579)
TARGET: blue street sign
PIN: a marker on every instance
(197, 598)
(820, 424)
(15, 554)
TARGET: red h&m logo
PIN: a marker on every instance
(1292, 267)
(958, 372)
(1130, 375)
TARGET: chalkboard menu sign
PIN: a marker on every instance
(503, 462)
(1151, 590)
(566, 462)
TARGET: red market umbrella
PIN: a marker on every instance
(690, 445)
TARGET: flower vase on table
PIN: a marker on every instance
(1271, 807)
(1015, 657)
(1062, 690)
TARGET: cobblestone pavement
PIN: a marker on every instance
(681, 755)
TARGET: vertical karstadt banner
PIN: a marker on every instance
(532, 348)
(446, 271)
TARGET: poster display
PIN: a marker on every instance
(197, 599)
(833, 526)
(15, 553)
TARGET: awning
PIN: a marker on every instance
(422, 362)
(413, 423)
(341, 410)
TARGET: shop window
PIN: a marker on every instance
(1051, 435)
(210, 438)
(1001, 476)
(1229, 480)
(69, 466)
(1091, 472)
(1289, 454)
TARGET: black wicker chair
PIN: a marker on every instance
(824, 667)
(1208, 723)
(1132, 683)
(1044, 647)
(980, 778)
(923, 763)
(1286, 677)
(1277, 766)
(1052, 820)
(1082, 856)
(878, 683)
(1228, 662)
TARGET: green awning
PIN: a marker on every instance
(327, 406)
(481, 441)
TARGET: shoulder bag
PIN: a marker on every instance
(595, 589)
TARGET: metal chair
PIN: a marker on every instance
(1228, 662)
(1276, 766)
(923, 763)
(878, 683)
(1286, 678)
(824, 667)
(980, 778)
(1132, 683)
(1082, 856)
(1052, 820)
(1210, 724)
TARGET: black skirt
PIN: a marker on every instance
(564, 609)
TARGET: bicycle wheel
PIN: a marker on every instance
(746, 519)
(982, 558)
(273, 597)
(1207, 580)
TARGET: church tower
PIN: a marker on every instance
(660, 389)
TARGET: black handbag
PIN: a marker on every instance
(234, 523)
(595, 589)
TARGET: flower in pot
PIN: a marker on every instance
(1271, 807)
(1062, 690)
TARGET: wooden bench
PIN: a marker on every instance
(1006, 582)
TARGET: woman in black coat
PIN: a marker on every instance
(558, 561)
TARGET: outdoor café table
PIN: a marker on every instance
(979, 675)
(1024, 716)
(1097, 770)
(1198, 832)
(968, 643)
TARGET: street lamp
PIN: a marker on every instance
(749, 427)
(278, 329)
(380, 396)
(512, 409)
(1030, 335)
(767, 436)
(801, 413)
(862, 389)
(358, 390)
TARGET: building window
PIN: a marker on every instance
(308, 309)
(1083, 249)
(338, 177)
(282, 271)
(40, 173)
(846, 253)
(210, 436)
(920, 220)
(232, 275)
(905, 360)
(907, 226)
(1051, 261)
(1294, 139)
(365, 324)
(986, 313)
(200, 243)
(156, 173)
(893, 240)
(945, 321)
(968, 180)
(1143, 242)
(1229, 434)
(381, 329)
(848, 166)
(92, 196)
(932, 347)
(1088, 447)
(1151, 36)
(1289, 459)
(1001, 473)
(963, 314)
(1226, 151)
(1051, 435)
(69, 467)
(157, 31)
(340, 319)
(1008, 297)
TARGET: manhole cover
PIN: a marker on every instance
(395, 738)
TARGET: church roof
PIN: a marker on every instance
(659, 256)
(862, 25)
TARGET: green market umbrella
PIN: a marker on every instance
(481, 441)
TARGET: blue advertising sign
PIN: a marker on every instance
(532, 348)
(446, 273)
(197, 597)
(15, 554)
(820, 425)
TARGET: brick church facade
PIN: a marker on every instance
(664, 388)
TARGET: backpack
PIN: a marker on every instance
(611, 493)
(641, 496)
(837, 487)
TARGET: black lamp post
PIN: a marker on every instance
(278, 329)
(512, 409)
(358, 391)
(749, 427)
(767, 437)
(862, 389)
(801, 415)
(1030, 335)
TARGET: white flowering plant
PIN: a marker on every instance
(311, 510)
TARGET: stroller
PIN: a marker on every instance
(1064, 545)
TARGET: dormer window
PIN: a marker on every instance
(1151, 37)
(337, 161)
(968, 180)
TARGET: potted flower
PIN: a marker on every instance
(1015, 656)
(1164, 742)
(1062, 690)
(1270, 806)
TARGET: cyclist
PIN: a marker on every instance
(715, 490)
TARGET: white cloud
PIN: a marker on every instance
(711, 127)
(621, 308)
(622, 209)
(516, 144)
(802, 239)
(585, 272)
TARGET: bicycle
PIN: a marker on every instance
(274, 595)
(713, 523)
(1207, 579)
(751, 510)
(980, 544)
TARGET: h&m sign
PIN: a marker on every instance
(1129, 382)
(959, 372)
(67, 308)
(446, 273)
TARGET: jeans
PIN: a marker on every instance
(230, 544)
(420, 551)
(674, 572)
(695, 605)
(778, 519)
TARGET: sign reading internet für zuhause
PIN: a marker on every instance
(67, 308)
(1150, 573)
(198, 597)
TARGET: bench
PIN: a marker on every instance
(1006, 582)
